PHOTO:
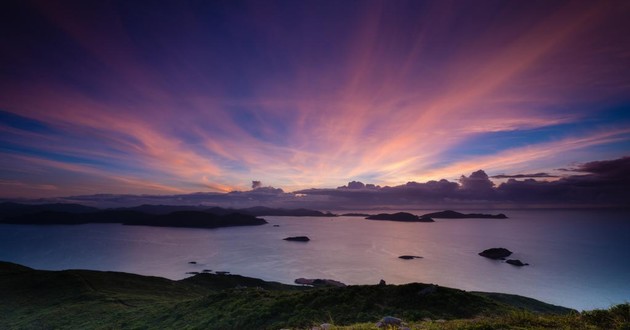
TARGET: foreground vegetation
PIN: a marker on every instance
(617, 317)
(103, 300)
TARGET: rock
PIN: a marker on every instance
(303, 281)
(298, 239)
(206, 270)
(400, 216)
(496, 253)
(319, 282)
(192, 262)
(327, 282)
(407, 257)
(389, 321)
(516, 262)
(192, 273)
(382, 282)
(428, 290)
(276, 225)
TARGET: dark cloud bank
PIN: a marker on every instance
(592, 184)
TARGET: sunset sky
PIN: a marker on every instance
(175, 97)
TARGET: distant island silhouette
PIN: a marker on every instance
(448, 214)
(188, 216)
(74, 214)
(186, 219)
(399, 216)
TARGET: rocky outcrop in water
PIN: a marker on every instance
(298, 239)
(408, 257)
(516, 262)
(496, 253)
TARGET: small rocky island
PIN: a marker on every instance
(408, 257)
(502, 254)
(400, 216)
(496, 253)
(449, 214)
(516, 262)
(298, 239)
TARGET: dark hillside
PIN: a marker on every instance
(93, 299)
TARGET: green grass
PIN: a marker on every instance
(80, 299)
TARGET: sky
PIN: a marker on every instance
(169, 98)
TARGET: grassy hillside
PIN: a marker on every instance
(34, 299)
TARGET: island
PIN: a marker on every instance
(258, 211)
(409, 257)
(11, 209)
(400, 216)
(516, 262)
(449, 214)
(496, 253)
(298, 239)
(184, 219)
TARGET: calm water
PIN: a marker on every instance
(579, 259)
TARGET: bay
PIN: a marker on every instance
(578, 258)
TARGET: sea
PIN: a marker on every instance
(577, 258)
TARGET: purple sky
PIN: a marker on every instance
(176, 97)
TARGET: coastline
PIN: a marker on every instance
(123, 299)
